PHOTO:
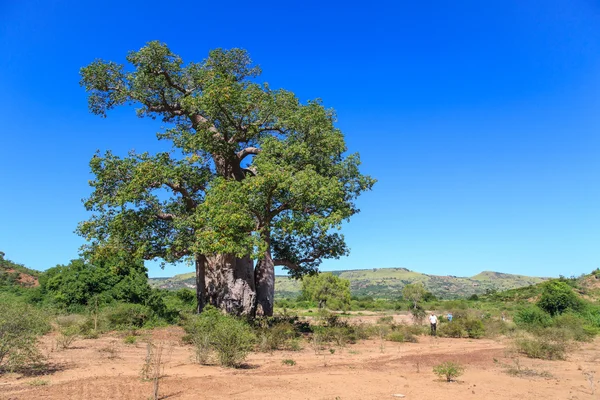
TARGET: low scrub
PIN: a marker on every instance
(228, 338)
(20, 326)
(448, 370)
(548, 344)
(125, 316)
(462, 327)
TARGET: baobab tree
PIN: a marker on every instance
(255, 178)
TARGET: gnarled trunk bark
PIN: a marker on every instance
(265, 283)
(230, 284)
(200, 282)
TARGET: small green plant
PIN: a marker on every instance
(20, 326)
(289, 362)
(130, 339)
(66, 336)
(38, 382)
(295, 345)
(448, 370)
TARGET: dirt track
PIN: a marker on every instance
(88, 370)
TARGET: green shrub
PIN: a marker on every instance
(130, 339)
(474, 328)
(127, 316)
(574, 327)
(276, 337)
(230, 338)
(558, 297)
(448, 370)
(452, 329)
(532, 318)
(66, 336)
(402, 336)
(20, 326)
(548, 344)
(541, 348)
(289, 362)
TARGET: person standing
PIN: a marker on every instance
(449, 317)
(433, 322)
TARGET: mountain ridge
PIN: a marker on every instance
(388, 282)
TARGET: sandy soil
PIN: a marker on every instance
(107, 368)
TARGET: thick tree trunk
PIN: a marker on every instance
(265, 284)
(200, 282)
(230, 284)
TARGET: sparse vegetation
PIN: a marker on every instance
(448, 370)
(20, 326)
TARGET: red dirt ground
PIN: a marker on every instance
(360, 371)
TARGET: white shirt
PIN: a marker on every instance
(433, 319)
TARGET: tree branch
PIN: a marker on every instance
(189, 202)
(173, 84)
(247, 151)
(165, 216)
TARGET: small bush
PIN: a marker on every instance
(401, 336)
(474, 328)
(452, 329)
(550, 344)
(448, 370)
(574, 327)
(386, 320)
(127, 316)
(66, 336)
(532, 318)
(276, 337)
(230, 338)
(289, 362)
(20, 326)
(130, 339)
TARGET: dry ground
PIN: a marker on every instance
(107, 368)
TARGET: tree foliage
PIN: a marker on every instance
(414, 292)
(73, 286)
(326, 288)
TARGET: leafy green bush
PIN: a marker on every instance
(532, 318)
(558, 297)
(448, 370)
(547, 344)
(66, 336)
(230, 338)
(127, 316)
(402, 336)
(71, 286)
(20, 326)
(573, 326)
(452, 329)
(276, 337)
(474, 328)
(541, 348)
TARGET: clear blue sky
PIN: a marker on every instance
(480, 119)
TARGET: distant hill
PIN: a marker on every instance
(16, 274)
(388, 283)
